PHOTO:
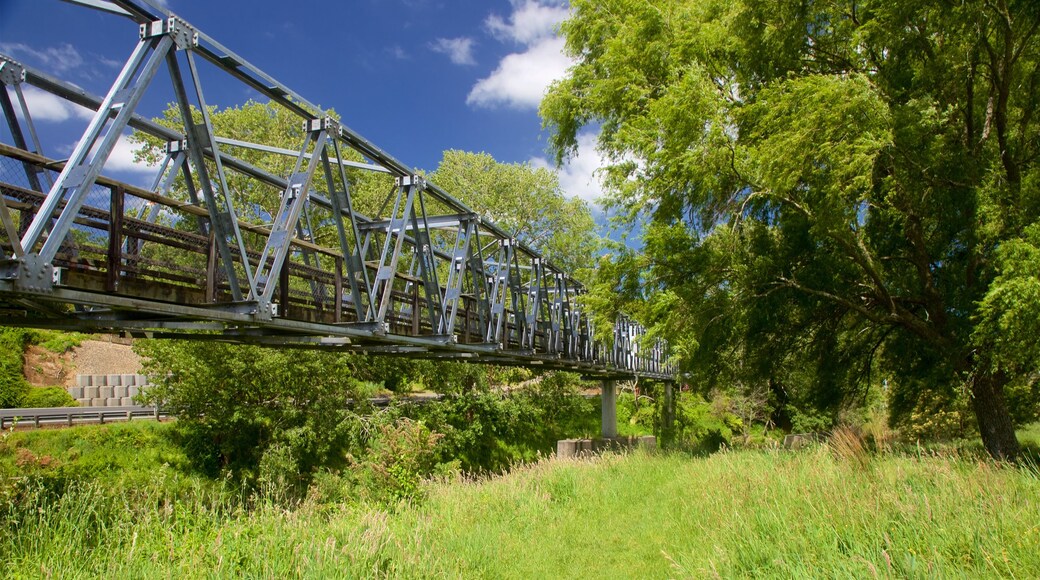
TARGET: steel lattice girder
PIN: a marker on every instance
(524, 309)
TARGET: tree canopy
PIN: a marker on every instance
(830, 187)
(526, 202)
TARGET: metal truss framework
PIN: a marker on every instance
(428, 277)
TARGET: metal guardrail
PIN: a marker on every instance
(68, 416)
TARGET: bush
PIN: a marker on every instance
(15, 391)
(452, 377)
(508, 375)
(702, 424)
(936, 416)
(402, 455)
(56, 341)
(481, 429)
(13, 386)
(563, 412)
(48, 397)
(489, 432)
(238, 402)
(279, 474)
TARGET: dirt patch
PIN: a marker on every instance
(44, 368)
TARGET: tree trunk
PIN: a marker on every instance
(991, 413)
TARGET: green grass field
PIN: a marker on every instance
(739, 513)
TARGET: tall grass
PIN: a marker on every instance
(815, 513)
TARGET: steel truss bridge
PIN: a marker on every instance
(424, 277)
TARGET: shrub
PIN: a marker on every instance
(278, 474)
(482, 430)
(702, 424)
(936, 416)
(562, 409)
(13, 386)
(15, 391)
(56, 341)
(402, 455)
(48, 397)
(508, 375)
(236, 402)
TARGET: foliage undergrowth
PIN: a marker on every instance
(48, 397)
(112, 455)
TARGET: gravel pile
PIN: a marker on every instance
(95, 357)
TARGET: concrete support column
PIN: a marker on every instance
(609, 404)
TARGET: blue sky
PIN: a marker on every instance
(416, 77)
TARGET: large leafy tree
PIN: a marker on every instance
(274, 126)
(526, 202)
(827, 183)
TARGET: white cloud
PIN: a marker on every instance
(459, 50)
(109, 62)
(122, 158)
(58, 59)
(46, 107)
(578, 175)
(531, 22)
(521, 78)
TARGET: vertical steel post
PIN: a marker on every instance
(115, 240)
(498, 330)
(223, 215)
(211, 268)
(456, 278)
(337, 293)
(220, 222)
(423, 247)
(342, 203)
(407, 189)
(12, 74)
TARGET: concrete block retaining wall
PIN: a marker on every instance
(107, 390)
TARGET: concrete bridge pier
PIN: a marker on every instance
(609, 412)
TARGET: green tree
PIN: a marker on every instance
(827, 183)
(273, 126)
(527, 203)
(240, 404)
(1009, 323)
